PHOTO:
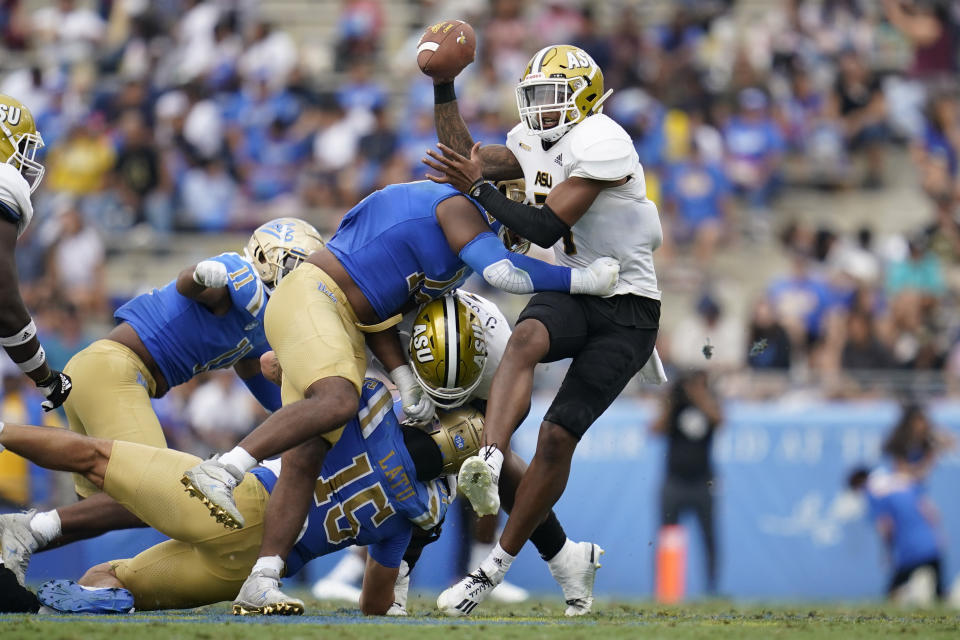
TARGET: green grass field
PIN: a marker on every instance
(611, 620)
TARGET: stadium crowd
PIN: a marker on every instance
(163, 118)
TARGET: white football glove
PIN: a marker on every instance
(210, 274)
(599, 279)
(417, 403)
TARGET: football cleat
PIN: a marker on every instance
(212, 482)
(478, 483)
(327, 589)
(66, 596)
(261, 595)
(509, 593)
(17, 542)
(462, 598)
(14, 597)
(574, 569)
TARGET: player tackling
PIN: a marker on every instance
(587, 199)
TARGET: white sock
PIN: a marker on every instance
(46, 527)
(239, 458)
(2, 425)
(497, 564)
(270, 563)
(565, 549)
(349, 570)
(492, 456)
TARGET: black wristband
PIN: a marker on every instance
(444, 93)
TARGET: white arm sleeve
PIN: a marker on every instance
(15, 193)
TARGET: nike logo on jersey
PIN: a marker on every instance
(559, 159)
(525, 146)
(253, 325)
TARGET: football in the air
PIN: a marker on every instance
(445, 48)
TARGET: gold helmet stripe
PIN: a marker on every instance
(451, 330)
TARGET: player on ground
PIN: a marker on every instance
(209, 317)
(582, 169)
(20, 175)
(379, 483)
(457, 370)
(401, 246)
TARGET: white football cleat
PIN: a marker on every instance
(327, 589)
(462, 598)
(478, 483)
(574, 568)
(509, 593)
(212, 482)
(261, 595)
(17, 542)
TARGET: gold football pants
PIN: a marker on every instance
(110, 399)
(203, 562)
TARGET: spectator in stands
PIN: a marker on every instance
(919, 271)
(137, 169)
(697, 199)
(209, 196)
(768, 342)
(82, 163)
(937, 152)
(929, 26)
(801, 300)
(689, 417)
(862, 111)
(709, 326)
(77, 258)
(754, 150)
(359, 29)
(862, 349)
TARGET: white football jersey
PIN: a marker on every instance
(15, 193)
(496, 333)
(621, 223)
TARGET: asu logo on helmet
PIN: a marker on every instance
(447, 350)
(561, 86)
(277, 247)
(20, 140)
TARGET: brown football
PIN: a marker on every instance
(445, 48)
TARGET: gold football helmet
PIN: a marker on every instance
(458, 433)
(561, 82)
(447, 350)
(515, 190)
(20, 140)
(279, 246)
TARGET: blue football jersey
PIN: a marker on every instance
(367, 492)
(393, 247)
(185, 338)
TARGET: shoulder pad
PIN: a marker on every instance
(601, 150)
(515, 137)
(15, 193)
